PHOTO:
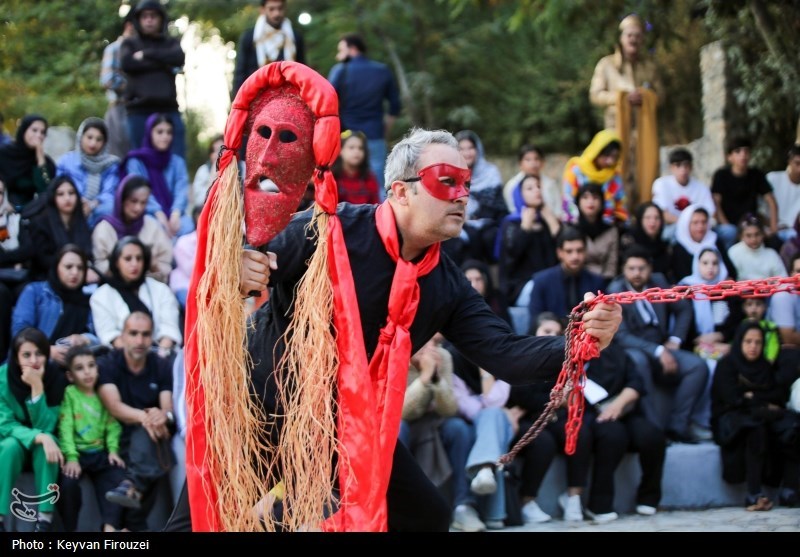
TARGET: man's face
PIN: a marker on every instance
(681, 171)
(137, 337)
(739, 159)
(436, 220)
(631, 40)
(572, 256)
(280, 162)
(150, 22)
(275, 12)
(342, 51)
(637, 272)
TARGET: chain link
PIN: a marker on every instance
(579, 347)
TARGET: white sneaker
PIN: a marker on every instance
(465, 518)
(602, 518)
(571, 505)
(645, 510)
(484, 483)
(533, 514)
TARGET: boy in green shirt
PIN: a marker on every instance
(89, 438)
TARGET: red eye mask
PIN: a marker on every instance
(444, 181)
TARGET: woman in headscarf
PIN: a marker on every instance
(128, 290)
(757, 436)
(92, 168)
(526, 240)
(477, 273)
(24, 168)
(602, 238)
(598, 164)
(60, 223)
(166, 173)
(646, 232)
(57, 306)
(129, 219)
(486, 206)
(692, 233)
(714, 325)
(12, 276)
(31, 391)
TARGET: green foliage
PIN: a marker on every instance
(765, 93)
(50, 55)
(512, 70)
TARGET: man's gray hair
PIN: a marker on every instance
(402, 161)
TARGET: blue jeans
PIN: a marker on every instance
(136, 124)
(493, 434)
(377, 161)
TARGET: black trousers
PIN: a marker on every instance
(414, 503)
(104, 476)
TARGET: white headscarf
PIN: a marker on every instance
(707, 314)
(682, 235)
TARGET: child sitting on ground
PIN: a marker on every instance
(89, 437)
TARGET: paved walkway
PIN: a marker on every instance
(729, 519)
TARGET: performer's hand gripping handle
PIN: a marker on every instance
(256, 267)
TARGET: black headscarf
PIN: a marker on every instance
(54, 381)
(758, 372)
(656, 247)
(591, 229)
(74, 318)
(128, 290)
(492, 296)
(78, 232)
(17, 160)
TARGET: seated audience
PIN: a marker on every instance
(129, 290)
(31, 390)
(526, 241)
(58, 306)
(598, 164)
(89, 437)
(355, 179)
(652, 335)
(679, 190)
(129, 219)
(136, 386)
(92, 169)
(756, 434)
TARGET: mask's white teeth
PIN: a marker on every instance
(268, 185)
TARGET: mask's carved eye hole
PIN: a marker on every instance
(265, 132)
(287, 136)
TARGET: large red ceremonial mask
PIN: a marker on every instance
(279, 161)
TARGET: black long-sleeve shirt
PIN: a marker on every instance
(448, 304)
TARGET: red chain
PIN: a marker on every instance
(581, 347)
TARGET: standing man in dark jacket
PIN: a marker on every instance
(362, 85)
(272, 39)
(151, 60)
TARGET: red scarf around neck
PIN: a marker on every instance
(370, 399)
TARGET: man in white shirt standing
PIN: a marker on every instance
(677, 191)
(786, 188)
